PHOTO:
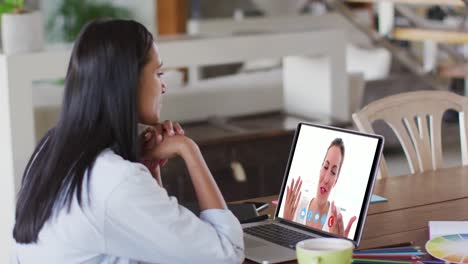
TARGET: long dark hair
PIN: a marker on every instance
(99, 111)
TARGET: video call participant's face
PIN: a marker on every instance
(329, 172)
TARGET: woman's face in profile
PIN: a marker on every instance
(329, 172)
(150, 90)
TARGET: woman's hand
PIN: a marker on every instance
(293, 196)
(176, 144)
(335, 222)
(153, 136)
(170, 147)
(168, 129)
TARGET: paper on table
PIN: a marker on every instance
(377, 199)
(441, 228)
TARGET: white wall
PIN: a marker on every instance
(7, 190)
(143, 10)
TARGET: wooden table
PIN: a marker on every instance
(412, 202)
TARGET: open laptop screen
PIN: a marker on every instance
(329, 180)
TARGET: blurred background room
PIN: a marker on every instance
(241, 74)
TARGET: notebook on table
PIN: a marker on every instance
(442, 228)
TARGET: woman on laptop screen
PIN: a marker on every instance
(319, 212)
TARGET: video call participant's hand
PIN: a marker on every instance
(293, 196)
(151, 138)
(335, 222)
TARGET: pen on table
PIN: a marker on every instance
(390, 253)
(256, 219)
(380, 261)
(388, 250)
(394, 257)
(431, 262)
(400, 261)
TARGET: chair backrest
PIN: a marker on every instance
(416, 119)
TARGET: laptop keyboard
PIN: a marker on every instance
(277, 234)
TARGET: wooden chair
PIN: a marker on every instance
(416, 119)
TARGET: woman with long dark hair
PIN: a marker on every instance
(85, 195)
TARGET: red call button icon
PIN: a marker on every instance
(331, 221)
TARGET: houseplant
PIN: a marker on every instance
(70, 16)
(21, 30)
(10, 6)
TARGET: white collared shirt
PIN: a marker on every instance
(131, 219)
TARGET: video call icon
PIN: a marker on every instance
(309, 215)
(303, 213)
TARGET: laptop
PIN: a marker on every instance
(329, 176)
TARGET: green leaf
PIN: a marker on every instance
(14, 3)
(74, 14)
(6, 8)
